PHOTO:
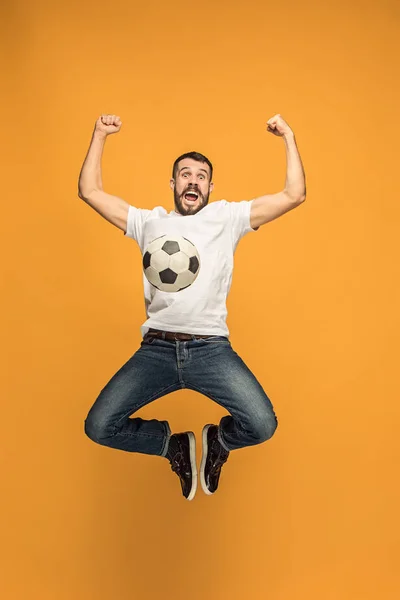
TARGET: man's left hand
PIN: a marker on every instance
(278, 126)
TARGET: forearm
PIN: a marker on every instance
(90, 175)
(295, 185)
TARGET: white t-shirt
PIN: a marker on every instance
(215, 231)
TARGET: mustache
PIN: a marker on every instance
(192, 189)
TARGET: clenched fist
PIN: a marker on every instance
(278, 126)
(108, 124)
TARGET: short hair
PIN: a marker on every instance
(195, 156)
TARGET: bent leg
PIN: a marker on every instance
(217, 371)
(149, 374)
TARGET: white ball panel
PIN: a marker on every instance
(153, 276)
(179, 262)
(160, 260)
(185, 279)
(187, 247)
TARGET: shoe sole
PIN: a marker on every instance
(204, 460)
(192, 449)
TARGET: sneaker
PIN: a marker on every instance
(182, 456)
(214, 456)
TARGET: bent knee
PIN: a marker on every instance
(264, 430)
(271, 428)
(96, 430)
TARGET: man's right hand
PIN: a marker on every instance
(107, 124)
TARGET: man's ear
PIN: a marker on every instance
(211, 187)
(172, 183)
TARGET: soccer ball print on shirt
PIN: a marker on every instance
(171, 263)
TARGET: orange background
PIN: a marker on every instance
(313, 310)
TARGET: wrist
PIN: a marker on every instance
(289, 135)
(99, 135)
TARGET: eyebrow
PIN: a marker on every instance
(190, 167)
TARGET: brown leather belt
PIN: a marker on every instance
(170, 335)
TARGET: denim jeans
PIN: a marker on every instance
(209, 366)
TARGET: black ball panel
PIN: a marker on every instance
(146, 260)
(171, 247)
(194, 264)
(168, 276)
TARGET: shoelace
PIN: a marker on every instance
(176, 464)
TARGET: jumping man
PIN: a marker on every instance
(185, 337)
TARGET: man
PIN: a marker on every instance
(185, 338)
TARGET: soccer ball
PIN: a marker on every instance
(171, 263)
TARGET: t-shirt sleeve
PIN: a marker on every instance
(240, 219)
(136, 219)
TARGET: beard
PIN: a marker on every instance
(202, 201)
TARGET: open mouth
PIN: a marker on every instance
(191, 196)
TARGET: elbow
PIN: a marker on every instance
(83, 194)
(82, 197)
(303, 195)
(296, 198)
(299, 198)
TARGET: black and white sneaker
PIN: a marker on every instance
(213, 457)
(182, 456)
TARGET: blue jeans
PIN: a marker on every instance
(209, 366)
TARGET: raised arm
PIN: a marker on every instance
(271, 206)
(90, 186)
